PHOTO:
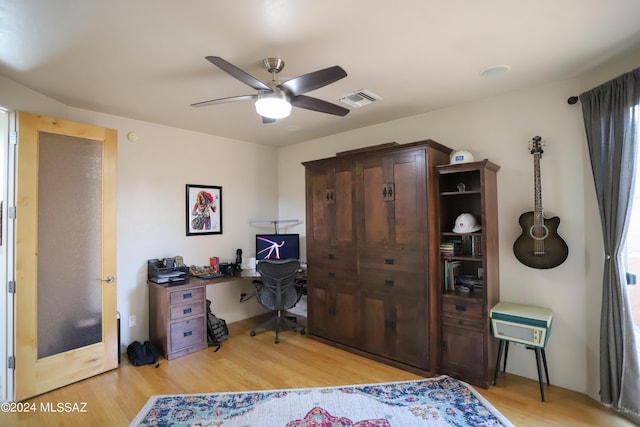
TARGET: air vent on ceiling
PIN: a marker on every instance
(359, 98)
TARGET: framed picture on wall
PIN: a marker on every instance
(204, 209)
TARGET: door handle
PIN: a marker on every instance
(109, 279)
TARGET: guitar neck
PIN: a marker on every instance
(538, 218)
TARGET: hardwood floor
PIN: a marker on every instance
(252, 363)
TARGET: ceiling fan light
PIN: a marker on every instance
(273, 105)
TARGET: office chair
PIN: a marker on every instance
(277, 291)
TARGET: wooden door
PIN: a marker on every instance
(331, 251)
(332, 303)
(319, 308)
(66, 327)
(330, 200)
(345, 312)
(392, 194)
(410, 338)
(463, 354)
(396, 327)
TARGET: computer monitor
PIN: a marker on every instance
(277, 246)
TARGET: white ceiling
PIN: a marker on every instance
(144, 59)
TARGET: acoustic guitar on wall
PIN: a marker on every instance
(539, 245)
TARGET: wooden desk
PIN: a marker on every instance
(178, 313)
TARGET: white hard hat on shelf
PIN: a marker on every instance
(466, 223)
(460, 156)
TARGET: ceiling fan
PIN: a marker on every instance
(274, 99)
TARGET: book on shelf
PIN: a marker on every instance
(451, 247)
(452, 270)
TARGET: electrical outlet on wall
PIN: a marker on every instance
(132, 320)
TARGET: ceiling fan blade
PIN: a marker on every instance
(236, 72)
(315, 80)
(266, 120)
(315, 104)
(223, 100)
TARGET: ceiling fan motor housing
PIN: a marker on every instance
(274, 65)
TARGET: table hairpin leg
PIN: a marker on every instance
(506, 353)
(540, 351)
(544, 360)
(537, 351)
(503, 346)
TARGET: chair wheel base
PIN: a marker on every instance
(281, 323)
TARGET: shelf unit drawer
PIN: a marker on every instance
(187, 310)
(458, 322)
(462, 308)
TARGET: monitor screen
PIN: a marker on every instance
(277, 246)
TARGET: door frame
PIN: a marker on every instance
(7, 169)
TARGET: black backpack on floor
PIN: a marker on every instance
(142, 354)
(217, 330)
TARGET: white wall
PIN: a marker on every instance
(16, 97)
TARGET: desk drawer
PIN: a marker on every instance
(186, 295)
(187, 333)
(187, 310)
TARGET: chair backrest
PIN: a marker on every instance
(279, 279)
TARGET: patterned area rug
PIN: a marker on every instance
(441, 401)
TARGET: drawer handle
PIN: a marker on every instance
(389, 283)
(186, 310)
(187, 296)
(461, 307)
(388, 260)
(332, 274)
(188, 333)
(332, 256)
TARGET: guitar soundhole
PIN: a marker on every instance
(539, 232)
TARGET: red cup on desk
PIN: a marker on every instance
(213, 262)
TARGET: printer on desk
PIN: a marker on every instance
(167, 270)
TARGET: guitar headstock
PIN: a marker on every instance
(535, 145)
